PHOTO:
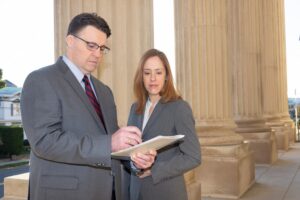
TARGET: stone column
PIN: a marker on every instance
(131, 22)
(245, 58)
(204, 77)
(273, 65)
(285, 116)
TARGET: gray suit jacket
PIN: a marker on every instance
(70, 156)
(167, 181)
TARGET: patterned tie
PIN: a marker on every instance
(89, 92)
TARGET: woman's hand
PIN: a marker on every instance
(143, 160)
(145, 173)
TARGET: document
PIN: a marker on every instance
(155, 143)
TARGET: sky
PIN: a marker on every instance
(162, 41)
(292, 24)
(27, 38)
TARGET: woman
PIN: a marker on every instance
(159, 110)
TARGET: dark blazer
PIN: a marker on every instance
(167, 181)
(70, 156)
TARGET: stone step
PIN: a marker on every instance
(16, 187)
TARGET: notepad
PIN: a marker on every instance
(155, 143)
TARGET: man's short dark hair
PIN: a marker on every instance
(88, 19)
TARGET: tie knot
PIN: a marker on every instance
(86, 80)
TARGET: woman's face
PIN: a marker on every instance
(154, 76)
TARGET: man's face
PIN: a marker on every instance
(78, 52)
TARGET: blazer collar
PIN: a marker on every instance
(73, 82)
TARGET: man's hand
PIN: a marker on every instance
(143, 160)
(125, 137)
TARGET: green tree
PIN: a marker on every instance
(12, 140)
(2, 83)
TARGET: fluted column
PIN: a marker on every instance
(245, 58)
(204, 76)
(285, 116)
(131, 22)
(275, 106)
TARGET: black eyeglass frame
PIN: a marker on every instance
(92, 46)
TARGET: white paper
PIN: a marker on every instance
(155, 143)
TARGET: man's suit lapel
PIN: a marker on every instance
(79, 91)
(101, 100)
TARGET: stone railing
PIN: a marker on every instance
(16, 187)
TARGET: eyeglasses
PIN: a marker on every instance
(92, 46)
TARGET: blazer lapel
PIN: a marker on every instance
(135, 119)
(153, 117)
(71, 79)
(140, 119)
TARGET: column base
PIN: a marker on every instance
(282, 134)
(222, 165)
(193, 186)
(16, 187)
(263, 145)
(291, 125)
(282, 137)
(194, 191)
(261, 139)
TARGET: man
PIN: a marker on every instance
(71, 123)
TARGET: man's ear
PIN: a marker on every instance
(69, 40)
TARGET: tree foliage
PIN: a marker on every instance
(12, 140)
(2, 83)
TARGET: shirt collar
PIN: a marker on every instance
(74, 69)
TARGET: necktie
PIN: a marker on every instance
(89, 92)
